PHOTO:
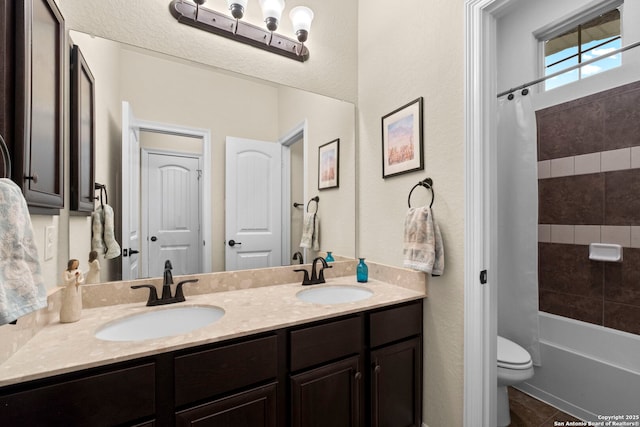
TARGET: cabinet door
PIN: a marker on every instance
(396, 385)
(253, 408)
(39, 103)
(329, 396)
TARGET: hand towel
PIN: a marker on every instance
(22, 289)
(97, 244)
(310, 232)
(103, 238)
(113, 248)
(423, 246)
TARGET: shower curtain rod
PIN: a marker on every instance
(573, 67)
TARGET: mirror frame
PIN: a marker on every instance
(82, 142)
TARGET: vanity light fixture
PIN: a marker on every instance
(233, 27)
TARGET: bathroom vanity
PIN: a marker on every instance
(360, 369)
(355, 364)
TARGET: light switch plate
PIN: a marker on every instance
(49, 240)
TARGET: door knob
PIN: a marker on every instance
(154, 238)
(232, 243)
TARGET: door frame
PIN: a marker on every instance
(300, 131)
(481, 300)
(144, 208)
(205, 214)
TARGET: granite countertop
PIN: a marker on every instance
(60, 348)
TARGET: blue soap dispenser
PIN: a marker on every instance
(362, 271)
(329, 257)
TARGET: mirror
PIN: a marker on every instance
(184, 94)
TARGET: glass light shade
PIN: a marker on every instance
(242, 3)
(237, 7)
(301, 18)
(272, 8)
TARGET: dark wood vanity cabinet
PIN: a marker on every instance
(395, 339)
(362, 369)
(255, 407)
(7, 61)
(330, 395)
(103, 397)
(232, 385)
(37, 144)
(326, 381)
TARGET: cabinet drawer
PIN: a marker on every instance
(220, 370)
(108, 399)
(395, 324)
(322, 343)
(255, 408)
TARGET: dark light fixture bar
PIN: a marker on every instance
(223, 25)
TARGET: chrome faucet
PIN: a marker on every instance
(317, 277)
(166, 289)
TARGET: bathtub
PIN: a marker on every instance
(587, 370)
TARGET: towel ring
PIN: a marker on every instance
(103, 190)
(313, 199)
(426, 183)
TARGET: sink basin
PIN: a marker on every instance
(334, 294)
(159, 323)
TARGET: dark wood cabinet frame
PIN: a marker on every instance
(39, 110)
(83, 133)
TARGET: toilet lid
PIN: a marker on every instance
(512, 356)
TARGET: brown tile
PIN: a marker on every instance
(567, 269)
(572, 306)
(622, 280)
(527, 411)
(622, 204)
(571, 200)
(559, 417)
(622, 117)
(622, 317)
(571, 128)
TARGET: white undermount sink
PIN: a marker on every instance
(159, 323)
(334, 294)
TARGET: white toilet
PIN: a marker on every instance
(514, 366)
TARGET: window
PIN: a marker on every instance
(594, 37)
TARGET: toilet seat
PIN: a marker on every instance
(512, 356)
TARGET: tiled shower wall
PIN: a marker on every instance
(589, 191)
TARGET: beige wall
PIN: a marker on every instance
(419, 53)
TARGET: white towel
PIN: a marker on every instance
(113, 248)
(310, 232)
(423, 246)
(97, 244)
(22, 289)
(103, 238)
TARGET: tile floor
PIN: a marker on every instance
(529, 412)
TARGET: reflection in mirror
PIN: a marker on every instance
(176, 92)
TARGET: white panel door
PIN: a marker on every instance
(253, 211)
(130, 190)
(173, 201)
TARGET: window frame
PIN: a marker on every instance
(570, 21)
